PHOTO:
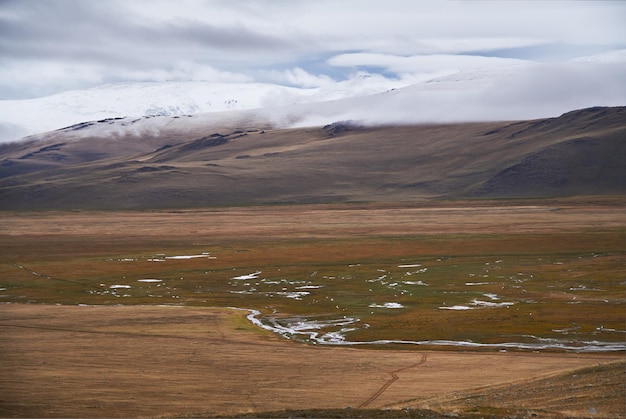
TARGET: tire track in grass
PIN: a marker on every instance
(27, 269)
(394, 378)
(35, 273)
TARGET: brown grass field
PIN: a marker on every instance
(82, 336)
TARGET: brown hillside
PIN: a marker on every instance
(185, 164)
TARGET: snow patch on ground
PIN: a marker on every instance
(415, 283)
(387, 305)
(253, 275)
(180, 257)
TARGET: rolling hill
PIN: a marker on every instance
(240, 159)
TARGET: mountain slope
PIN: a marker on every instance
(137, 100)
(578, 166)
(191, 162)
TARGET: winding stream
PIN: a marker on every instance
(312, 331)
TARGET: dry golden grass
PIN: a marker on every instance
(139, 359)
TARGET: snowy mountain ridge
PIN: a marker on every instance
(517, 90)
(137, 99)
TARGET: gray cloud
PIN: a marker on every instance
(73, 31)
(48, 46)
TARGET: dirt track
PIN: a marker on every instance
(394, 378)
(139, 361)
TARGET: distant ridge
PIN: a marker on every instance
(135, 100)
(169, 162)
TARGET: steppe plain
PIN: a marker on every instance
(183, 353)
(473, 270)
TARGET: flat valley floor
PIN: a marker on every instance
(63, 354)
(67, 361)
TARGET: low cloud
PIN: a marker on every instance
(472, 45)
(508, 93)
(296, 76)
(421, 63)
(557, 88)
(182, 71)
(533, 91)
(11, 132)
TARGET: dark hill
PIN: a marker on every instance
(573, 167)
(190, 165)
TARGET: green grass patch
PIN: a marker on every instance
(478, 288)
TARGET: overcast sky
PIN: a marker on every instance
(49, 46)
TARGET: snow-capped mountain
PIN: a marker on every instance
(25, 117)
(514, 91)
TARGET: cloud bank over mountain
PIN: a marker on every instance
(515, 92)
(535, 50)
